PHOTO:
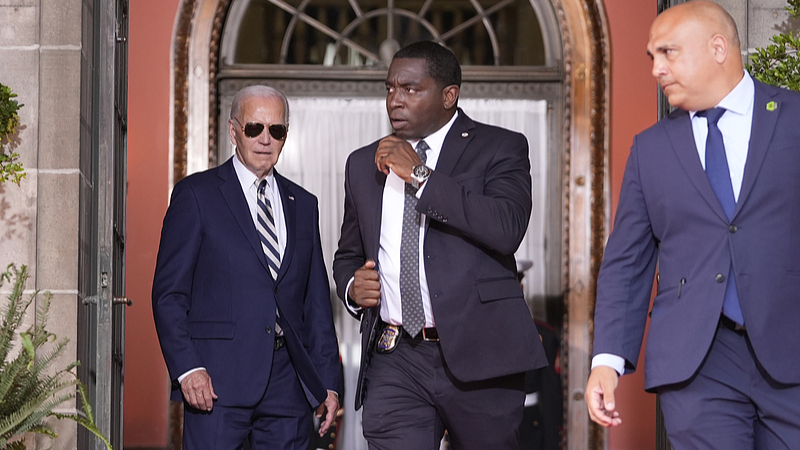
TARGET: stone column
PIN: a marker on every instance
(40, 51)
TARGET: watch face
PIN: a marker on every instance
(422, 171)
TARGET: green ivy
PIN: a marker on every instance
(10, 167)
(779, 63)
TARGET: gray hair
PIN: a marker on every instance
(259, 91)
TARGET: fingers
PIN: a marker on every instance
(396, 155)
(332, 405)
(366, 287)
(198, 391)
(600, 398)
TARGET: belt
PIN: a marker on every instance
(427, 334)
(280, 342)
(726, 322)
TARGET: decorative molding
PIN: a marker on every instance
(565, 180)
(213, 57)
(331, 88)
(600, 97)
(181, 46)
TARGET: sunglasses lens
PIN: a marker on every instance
(252, 130)
(277, 131)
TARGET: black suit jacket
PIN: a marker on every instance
(214, 300)
(478, 200)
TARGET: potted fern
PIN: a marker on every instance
(30, 387)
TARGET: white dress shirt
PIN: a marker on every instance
(388, 264)
(250, 184)
(735, 126)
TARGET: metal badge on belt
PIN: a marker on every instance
(388, 340)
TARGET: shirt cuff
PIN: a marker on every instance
(352, 307)
(185, 374)
(607, 359)
(418, 194)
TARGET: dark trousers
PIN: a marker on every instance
(411, 398)
(732, 403)
(281, 420)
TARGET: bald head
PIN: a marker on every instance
(713, 17)
(696, 57)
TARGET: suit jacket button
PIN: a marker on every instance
(732, 228)
(276, 289)
(719, 278)
(268, 330)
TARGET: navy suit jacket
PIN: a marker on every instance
(478, 202)
(214, 300)
(668, 212)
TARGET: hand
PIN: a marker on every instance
(366, 287)
(398, 155)
(332, 405)
(198, 390)
(600, 396)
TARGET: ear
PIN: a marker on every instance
(232, 132)
(450, 96)
(720, 46)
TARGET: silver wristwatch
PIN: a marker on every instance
(419, 174)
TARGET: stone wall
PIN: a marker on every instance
(40, 59)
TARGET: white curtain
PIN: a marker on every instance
(323, 132)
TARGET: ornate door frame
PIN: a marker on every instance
(585, 213)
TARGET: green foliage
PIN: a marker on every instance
(10, 167)
(29, 389)
(779, 63)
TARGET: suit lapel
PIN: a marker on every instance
(290, 218)
(231, 191)
(679, 130)
(760, 136)
(454, 143)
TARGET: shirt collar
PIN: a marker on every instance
(248, 178)
(435, 140)
(740, 99)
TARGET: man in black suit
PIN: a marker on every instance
(433, 216)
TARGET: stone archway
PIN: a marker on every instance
(585, 212)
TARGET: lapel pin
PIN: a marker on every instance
(464, 134)
(772, 106)
(291, 198)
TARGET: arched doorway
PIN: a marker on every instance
(568, 83)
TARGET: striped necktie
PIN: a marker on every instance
(267, 231)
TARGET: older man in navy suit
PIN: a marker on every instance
(433, 215)
(241, 298)
(710, 198)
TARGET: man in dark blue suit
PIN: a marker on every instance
(433, 215)
(241, 298)
(710, 199)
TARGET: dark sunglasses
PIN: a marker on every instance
(254, 129)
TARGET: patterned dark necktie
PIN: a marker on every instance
(719, 176)
(410, 295)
